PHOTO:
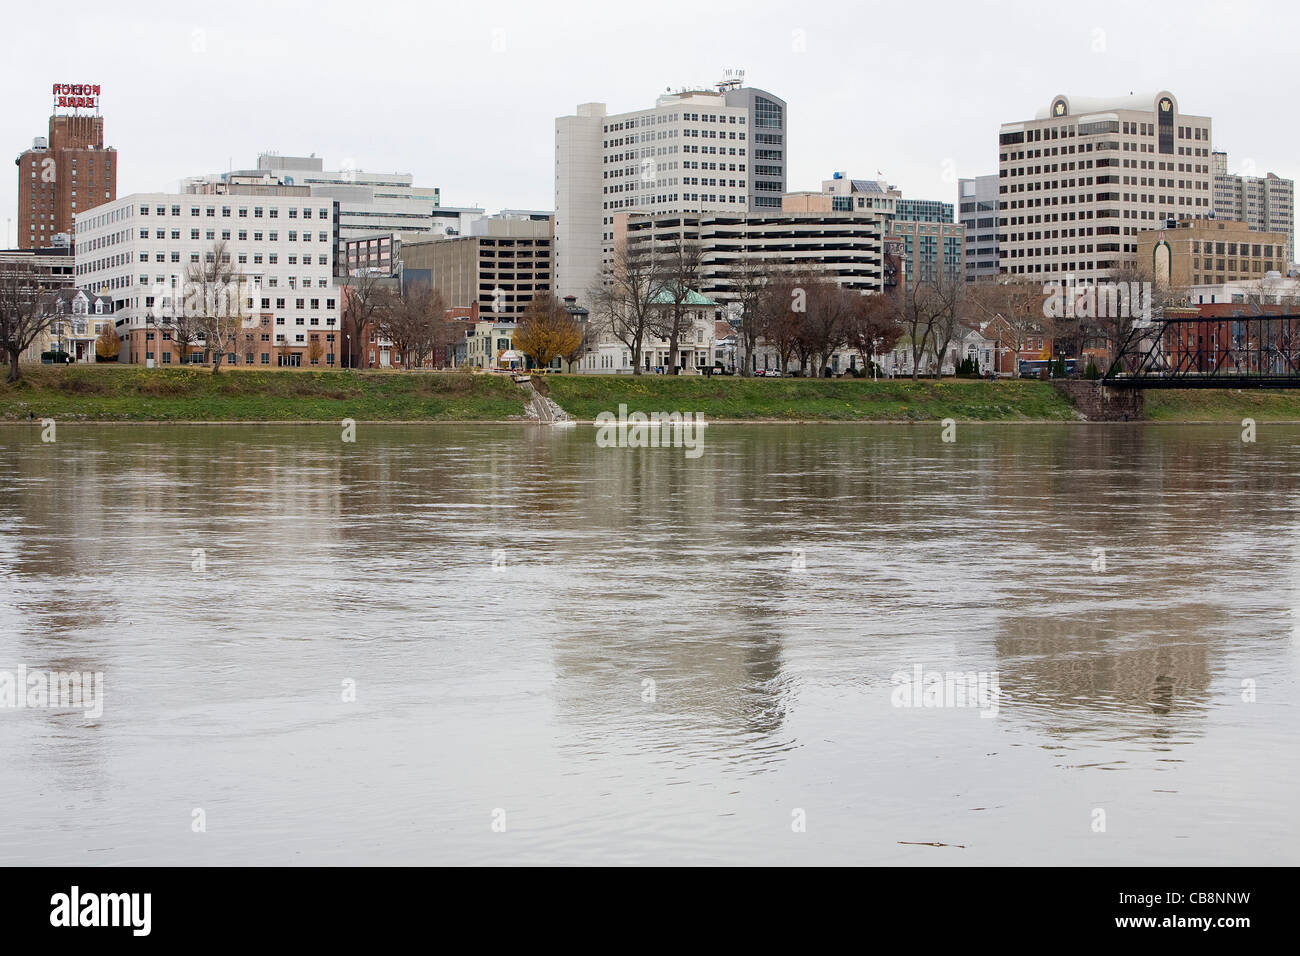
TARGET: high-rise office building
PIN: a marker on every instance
(695, 150)
(1079, 181)
(67, 173)
(1264, 203)
(977, 210)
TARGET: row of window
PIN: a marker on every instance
(258, 236)
(272, 212)
(294, 360)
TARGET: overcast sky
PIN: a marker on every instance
(464, 95)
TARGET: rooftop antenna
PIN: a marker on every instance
(731, 80)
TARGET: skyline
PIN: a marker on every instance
(398, 121)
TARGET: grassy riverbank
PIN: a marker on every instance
(848, 400)
(134, 394)
(131, 393)
(1221, 405)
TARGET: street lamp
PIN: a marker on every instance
(348, 358)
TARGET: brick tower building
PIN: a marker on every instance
(66, 173)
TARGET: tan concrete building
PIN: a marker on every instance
(1080, 180)
(1211, 252)
(500, 266)
(804, 235)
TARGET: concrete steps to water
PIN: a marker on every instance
(541, 408)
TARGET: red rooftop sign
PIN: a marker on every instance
(76, 95)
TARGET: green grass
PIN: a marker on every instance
(799, 399)
(1221, 405)
(131, 393)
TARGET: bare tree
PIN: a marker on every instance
(927, 310)
(680, 267)
(623, 304)
(412, 323)
(367, 293)
(1108, 312)
(828, 320)
(781, 307)
(23, 316)
(1015, 310)
(167, 316)
(749, 277)
(948, 327)
(215, 302)
(875, 325)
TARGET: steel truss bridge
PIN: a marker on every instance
(1246, 351)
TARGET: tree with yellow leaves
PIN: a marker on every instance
(107, 344)
(546, 331)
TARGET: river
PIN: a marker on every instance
(504, 644)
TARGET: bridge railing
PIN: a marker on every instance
(1239, 351)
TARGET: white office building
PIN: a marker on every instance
(368, 203)
(1080, 180)
(695, 150)
(138, 250)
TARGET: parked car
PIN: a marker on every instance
(773, 373)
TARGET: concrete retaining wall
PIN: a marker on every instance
(1101, 403)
